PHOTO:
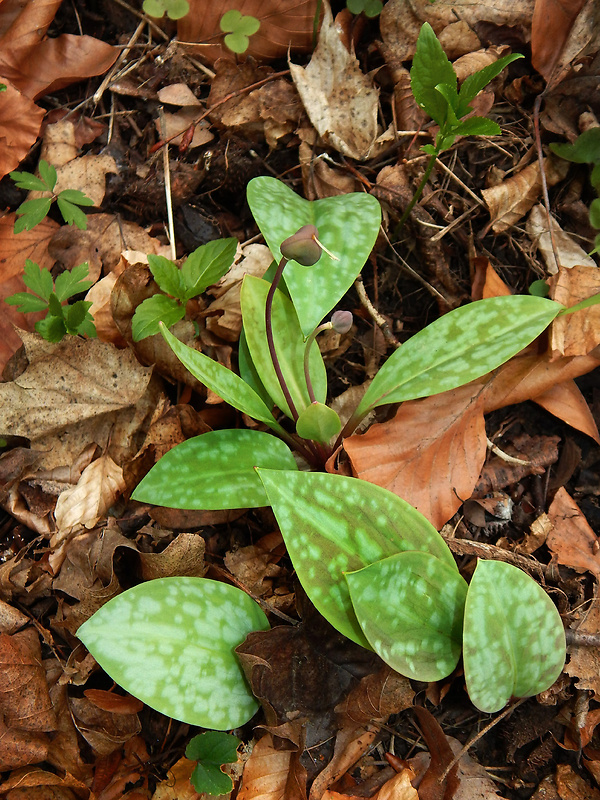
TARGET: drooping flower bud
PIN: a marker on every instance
(302, 246)
(341, 321)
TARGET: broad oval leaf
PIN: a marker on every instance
(170, 642)
(319, 423)
(289, 346)
(222, 381)
(332, 525)
(348, 226)
(460, 347)
(215, 471)
(410, 607)
(513, 638)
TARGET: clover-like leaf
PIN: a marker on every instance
(174, 9)
(170, 642)
(215, 471)
(513, 637)
(459, 347)
(370, 8)
(410, 607)
(347, 226)
(332, 525)
(211, 750)
(239, 28)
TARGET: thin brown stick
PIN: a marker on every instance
(540, 155)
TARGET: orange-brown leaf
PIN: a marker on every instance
(572, 541)
(579, 333)
(20, 121)
(550, 27)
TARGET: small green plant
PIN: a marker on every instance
(174, 9)
(48, 295)
(212, 750)
(586, 150)
(370, 8)
(201, 269)
(238, 28)
(434, 85)
(32, 212)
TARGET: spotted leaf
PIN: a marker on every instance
(170, 642)
(410, 607)
(513, 639)
(215, 471)
(332, 525)
(347, 226)
(460, 347)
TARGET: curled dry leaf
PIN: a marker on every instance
(579, 333)
(268, 774)
(341, 102)
(100, 485)
(572, 541)
(570, 254)
(510, 200)
(20, 121)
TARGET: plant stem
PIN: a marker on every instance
(326, 326)
(271, 342)
(417, 193)
(349, 428)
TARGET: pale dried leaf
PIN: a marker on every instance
(266, 772)
(183, 556)
(100, 485)
(572, 541)
(579, 333)
(88, 175)
(99, 296)
(59, 145)
(341, 102)
(458, 39)
(570, 254)
(584, 662)
(178, 94)
(176, 125)
(474, 61)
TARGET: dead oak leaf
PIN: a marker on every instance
(572, 541)
(340, 100)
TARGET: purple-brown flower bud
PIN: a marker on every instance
(341, 321)
(302, 246)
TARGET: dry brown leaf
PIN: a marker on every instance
(176, 785)
(550, 28)
(458, 39)
(59, 145)
(340, 100)
(584, 662)
(183, 556)
(486, 281)
(571, 786)
(284, 25)
(100, 485)
(510, 200)
(579, 333)
(178, 94)
(267, 774)
(87, 174)
(397, 788)
(566, 402)
(20, 121)
(173, 127)
(572, 541)
(350, 744)
(570, 254)
(99, 296)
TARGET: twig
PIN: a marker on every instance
(540, 155)
(379, 320)
(482, 550)
(464, 186)
(167, 174)
(97, 96)
(504, 456)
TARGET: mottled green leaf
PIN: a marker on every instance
(170, 642)
(513, 638)
(289, 346)
(215, 471)
(460, 347)
(332, 525)
(410, 607)
(348, 226)
(318, 422)
(222, 381)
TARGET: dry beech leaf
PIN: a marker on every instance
(550, 28)
(565, 401)
(267, 774)
(100, 485)
(579, 333)
(177, 785)
(177, 124)
(474, 61)
(486, 281)
(284, 25)
(59, 145)
(572, 541)
(397, 788)
(183, 556)
(340, 100)
(351, 743)
(458, 39)
(510, 200)
(570, 254)
(178, 94)
(20, 121)
(99, 296)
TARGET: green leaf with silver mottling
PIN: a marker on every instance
(170, 642)
(332, 525)
(410, 607)
(348, 226)
(460, 347)
(319, 423)
(289, 346)
(215, 471)
(513, 637)
(221, 381)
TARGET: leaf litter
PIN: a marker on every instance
(84, 420)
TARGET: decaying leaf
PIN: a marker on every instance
(570, 254)
(572, 540)
(20, 120)
(272, 773)
(101, 483)
(551, 26)
(579, 333)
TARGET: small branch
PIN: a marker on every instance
(505, 457)
(167, 174)
(380, 321)
(482, 550)
(540, 155)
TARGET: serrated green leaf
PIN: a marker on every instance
(54, 306)
(38, 280)
(167, 275)
(410, 607)
(289, 346)
(347, 225)
(76, 197)
(319, 423)
(52, 328)
(71, 282)
(459, 347)
(513, 638)
(75, 315)
(47, 174)
(332, 525)
(215, 471)
(477, 126)
(206, 265)
(151, 312)
(222, 381)
(27, 302)
(584, 150)
(211, 750)
(473, 84)
(71, 213)
(430, 68)
(25, 180)
(31, 213)
(170, 642)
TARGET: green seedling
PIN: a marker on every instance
(48, 295)
(32, 212)
(201, 269)
(174, 9)
(370, 8)
(212, 750)
(239, 29)
(586, 150)
(434, 85)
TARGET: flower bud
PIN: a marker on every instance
(302, 246)
(341, 321)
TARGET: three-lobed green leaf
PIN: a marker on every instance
(239, 28)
